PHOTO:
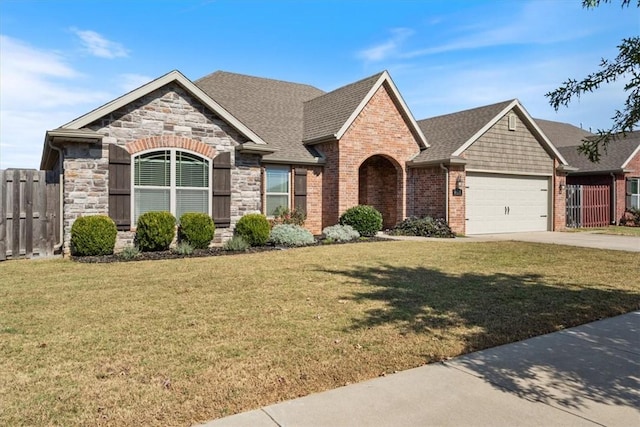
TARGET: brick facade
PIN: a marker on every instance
(379, 132)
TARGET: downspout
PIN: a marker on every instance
(614, 201)
(59, 244)
(446, 192)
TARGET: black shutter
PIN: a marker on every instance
(120, 187)
(300, 189)
(221, 203)
(628, 193)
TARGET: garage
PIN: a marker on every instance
(506, 203)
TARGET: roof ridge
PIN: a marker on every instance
(377, 76)
(469, 110)
(221, 72)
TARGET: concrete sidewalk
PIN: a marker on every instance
(583, 376)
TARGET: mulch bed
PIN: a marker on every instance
(214, 251)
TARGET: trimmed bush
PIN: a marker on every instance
(197, 229)
(254, 228)
(155, 231)
(365, 219)
(425, 227)
(291, 235)
(236, 244)
(93, 235)
(340, 233)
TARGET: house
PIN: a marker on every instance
(230, 144)
(618, 168)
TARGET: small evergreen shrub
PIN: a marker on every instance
(366, 219)
(155, 231)
(425, 227)
(254, 228)
(183, 248)
(129, 253)
(340, 233)
(291, 235)
(287, 216)
(93, 235)
(236, 244)
(197, 229)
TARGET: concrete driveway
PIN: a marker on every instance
(587, 240)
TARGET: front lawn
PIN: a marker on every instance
(179, 342)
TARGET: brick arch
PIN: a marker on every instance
(380, 184)
(171, 141)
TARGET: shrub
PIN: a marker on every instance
(425, 227)
(287, 216)
(254, 228)
(237, 243)
(291, 235)
(129, 253)
(340, 233)
(631, 217)
(183, 248)
(155, 231)
(93, 235)
(197, 229)
(367, 220)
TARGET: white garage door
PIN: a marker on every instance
(506, 203)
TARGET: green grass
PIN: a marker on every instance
(184, 341)
(612, 229)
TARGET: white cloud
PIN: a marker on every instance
(40, 91)
(387, 48)
(98, 45)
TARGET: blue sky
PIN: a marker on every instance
(61, 59)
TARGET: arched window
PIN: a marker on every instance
(170, 180)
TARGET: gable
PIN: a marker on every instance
(380, 127)
(500, 149)
(169, 109)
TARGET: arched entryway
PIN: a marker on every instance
(378, 186)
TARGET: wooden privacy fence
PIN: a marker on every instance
(29, 213)
(588, 206)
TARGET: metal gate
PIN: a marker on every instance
(588, 206)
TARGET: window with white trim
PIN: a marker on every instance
(634, 183)
(277, 188)
(171, 180)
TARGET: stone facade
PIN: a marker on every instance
(85, 185)
(167, 117)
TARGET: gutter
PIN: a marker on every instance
(614, 201)
(58, 246)
(446, 192)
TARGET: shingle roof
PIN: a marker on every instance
(612, 159)
(448, 132)
(325, 115)
(562, 134)
(273, 109)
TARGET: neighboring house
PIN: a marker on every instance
(230, 144)
(618, 168)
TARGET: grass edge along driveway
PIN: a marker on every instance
(183, 341)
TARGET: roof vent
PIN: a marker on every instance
(512, 122)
